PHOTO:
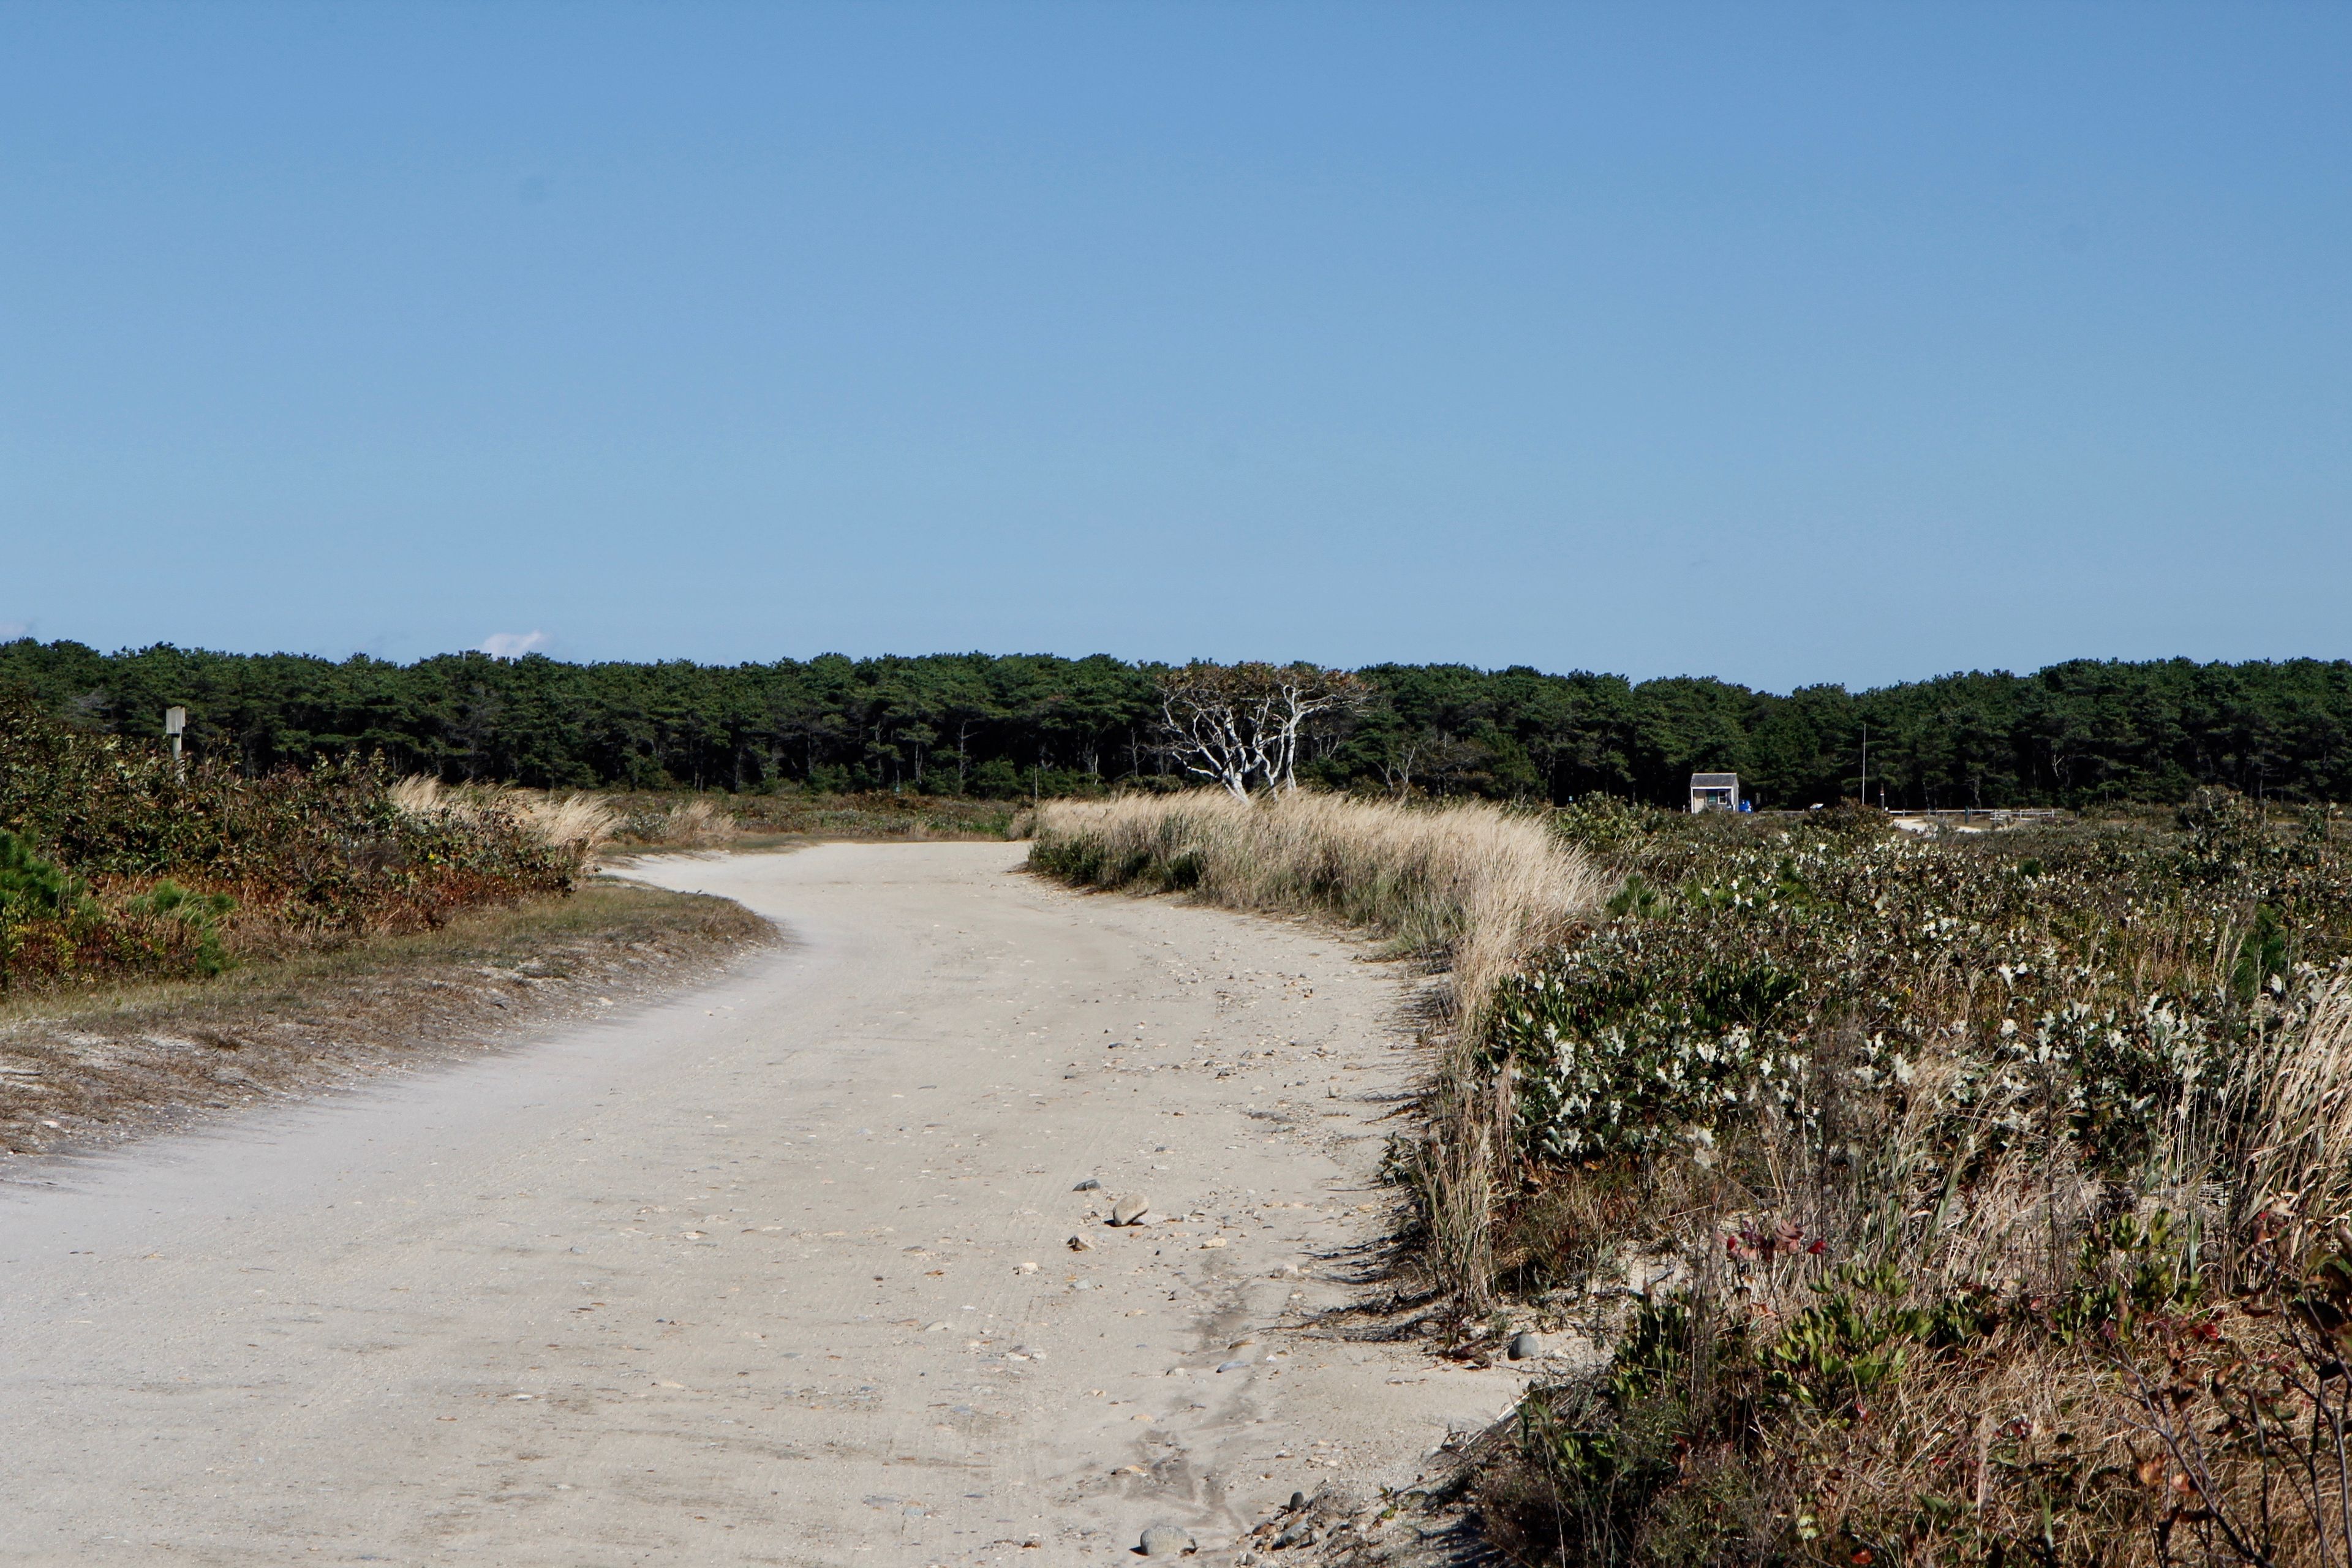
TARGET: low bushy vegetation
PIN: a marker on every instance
(115, 863)
(1981, 1199)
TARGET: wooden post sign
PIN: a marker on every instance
(174, 720)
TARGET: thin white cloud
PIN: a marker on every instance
(11, 630)
(513, 644)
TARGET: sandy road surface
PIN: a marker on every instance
(741, 1278)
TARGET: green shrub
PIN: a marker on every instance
(2108, 972)
(113, 861)
(29, 886)
(200, 913)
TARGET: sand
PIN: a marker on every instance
(775, 1272)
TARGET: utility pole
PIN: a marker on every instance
(1866, 762)
(174, 720)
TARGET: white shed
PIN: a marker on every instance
(1715, 791)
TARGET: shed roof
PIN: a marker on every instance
(1715, 780)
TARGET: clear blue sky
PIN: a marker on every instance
(1781, 342)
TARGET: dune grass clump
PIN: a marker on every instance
(695, 825)
(1480, 886)
(572, 823)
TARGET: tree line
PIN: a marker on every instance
(1004, 726)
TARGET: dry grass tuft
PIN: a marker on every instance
(697, 824)
(421, 794)
(578, 825)
(2300, 1086)
(1471, 882)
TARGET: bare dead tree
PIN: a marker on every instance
(1399, 760)
(1243, 724)
(1430, 754)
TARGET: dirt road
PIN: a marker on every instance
(776, 1273)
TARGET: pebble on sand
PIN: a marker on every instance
(1130, 1210)
(1525, 1346)
(1080, 1244)
(1165, 1541)
(1025, 1268)
(1089, 1186)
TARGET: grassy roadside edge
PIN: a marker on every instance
(87, 1068)
(1471, 888)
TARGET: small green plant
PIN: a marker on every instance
(2262, 956)
(28, 883)
(1636, 899)
(200, 913)
(31, 888)
(1835, 1355)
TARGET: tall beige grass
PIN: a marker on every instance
(2299, 1165)
(578, 825)
(1473, 883)
(420, 794)
(696, 825)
